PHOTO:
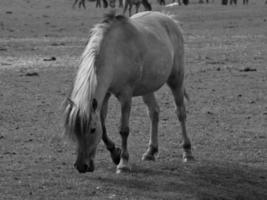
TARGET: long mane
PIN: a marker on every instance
(77, 111)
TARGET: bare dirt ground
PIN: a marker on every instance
(226, 78)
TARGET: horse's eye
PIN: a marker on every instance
(92, 130)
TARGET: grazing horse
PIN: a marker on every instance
(126, 57)
(137, 3)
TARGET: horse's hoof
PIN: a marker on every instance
(116, 156)
(123, 170)
(148, 157)
(188, 158)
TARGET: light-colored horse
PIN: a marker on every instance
(125, 57)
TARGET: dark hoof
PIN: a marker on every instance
(148, 157)
(116, 155)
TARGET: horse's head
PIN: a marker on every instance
(87, 131)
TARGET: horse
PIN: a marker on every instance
(125, 57)
(137, 3)
(82, 3)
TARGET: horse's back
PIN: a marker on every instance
(147, 44)
(163, 39)
(161, 26)
(152, 19)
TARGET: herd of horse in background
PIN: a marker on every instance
(128, 4)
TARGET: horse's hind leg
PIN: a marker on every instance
(153, 111)
(175, 83)
(114, 152)
(124, 132)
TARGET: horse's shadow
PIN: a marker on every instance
(198, 180)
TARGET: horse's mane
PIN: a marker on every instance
(77, 111)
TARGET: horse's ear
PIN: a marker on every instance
(94, 104)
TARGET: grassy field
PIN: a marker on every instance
(226, 78)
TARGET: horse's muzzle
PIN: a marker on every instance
(83, 167)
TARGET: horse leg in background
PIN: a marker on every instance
(98, 4)
(146, 5)
(74, 3)
(137, 5)
(114, 152)
(130, 9)
(82, 3)
(176, 86)
(126, 4)
(121, 3)
(124, 132)
(153, 111)
(105, 3)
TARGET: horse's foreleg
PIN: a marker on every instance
(153, 111)
(114, 152)
(124, 132)
(178, 92)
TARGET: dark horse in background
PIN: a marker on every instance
(128, 4)
(81, 3)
